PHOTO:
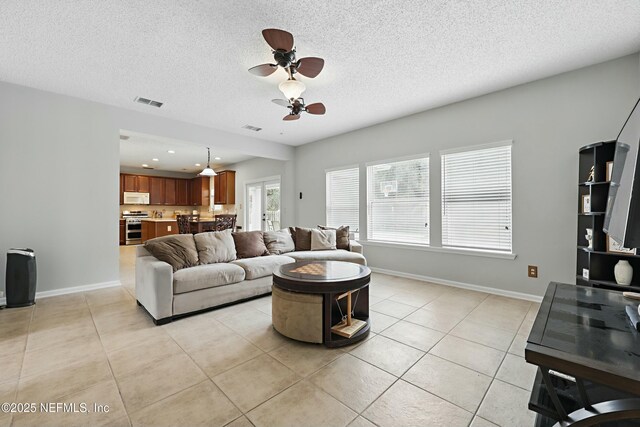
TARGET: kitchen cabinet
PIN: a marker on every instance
(143, 184)
(121, 189)
(156, 190)
(123, 235)
(152, 229)
(170, 191)
(183, 187)
(200, 191)
(224, 184)
(135, 183)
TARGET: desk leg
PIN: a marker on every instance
(552, 393)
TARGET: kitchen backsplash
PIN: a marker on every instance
(170, 211)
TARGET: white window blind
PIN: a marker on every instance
(398, 201)
(476, 198)
(343, 198)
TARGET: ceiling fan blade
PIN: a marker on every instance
(317, 108)
(282, 102)
(310, 66)
(278, 39)
(290, 117)
(263, 70)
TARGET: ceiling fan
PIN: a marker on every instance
(284, 54)
(297, 106)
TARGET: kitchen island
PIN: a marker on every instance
(158, 227)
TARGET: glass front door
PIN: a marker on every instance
(263, 206)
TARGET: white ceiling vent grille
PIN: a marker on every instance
(124, 137)
(147, 101)
(253, 128)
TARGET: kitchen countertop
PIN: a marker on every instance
(159, 219)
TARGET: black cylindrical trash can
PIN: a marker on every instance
(21, 278)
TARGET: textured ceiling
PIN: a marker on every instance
(141, 149)
(384, 59)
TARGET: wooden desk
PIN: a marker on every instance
(584, 333)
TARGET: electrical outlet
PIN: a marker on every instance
(533, 271)
(168, 228)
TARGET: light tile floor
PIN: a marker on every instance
(437, 356)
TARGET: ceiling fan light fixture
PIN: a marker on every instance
(292, 88)
(208, 171)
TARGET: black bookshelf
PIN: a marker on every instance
(597, 260)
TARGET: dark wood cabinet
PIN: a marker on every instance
(143, 184)
(121, 189)
(224, 184)
(123, 237)
(156, 190)
(134, 183)
(182, 192)
(200, 191)
(170, 191)
(130, 183)
(153, 229)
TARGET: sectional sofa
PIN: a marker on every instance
(167, 293)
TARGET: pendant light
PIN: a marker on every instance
(208, 171)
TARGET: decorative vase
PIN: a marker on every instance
(623, 272)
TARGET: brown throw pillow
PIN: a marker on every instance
(178, 250)
(249, 244)
(302, 238)
(342, 236)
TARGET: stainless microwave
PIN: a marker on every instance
(136, 198)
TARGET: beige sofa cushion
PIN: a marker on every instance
(337, 255)
(206, 276)
(263, 266)
(323, 240)
(178, 250)
(342, 236)
(279, 242)
(217, 246)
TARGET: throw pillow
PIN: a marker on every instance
(322, 240)
(342, 236)
(279, 242)
(217, 246)
(302, 238)
(249, 244)
(178, 250)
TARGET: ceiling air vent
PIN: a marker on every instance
(147, 167)
(253, 128)
(147, 101)
(124, 137)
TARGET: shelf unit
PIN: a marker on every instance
(598, 261)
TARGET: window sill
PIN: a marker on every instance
(426, 248)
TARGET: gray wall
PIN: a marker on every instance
(255, 169)
(59, 166)
(57, 153)
(548, 121)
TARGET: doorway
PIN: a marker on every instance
(263, 205)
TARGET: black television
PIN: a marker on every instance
(622, 219)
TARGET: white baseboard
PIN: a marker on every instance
(479, 288)
(71, 290)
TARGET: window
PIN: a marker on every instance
(476, 198)
(343, 198)
(398, 201)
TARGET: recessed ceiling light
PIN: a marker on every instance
(156, 160)
(171, 152)
(198, 164)
(217, 158)
(144, 165)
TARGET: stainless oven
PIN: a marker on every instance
(133, 231)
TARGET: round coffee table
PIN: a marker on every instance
(344, 289)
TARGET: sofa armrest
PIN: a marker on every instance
(154, 286)
(355, 246)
